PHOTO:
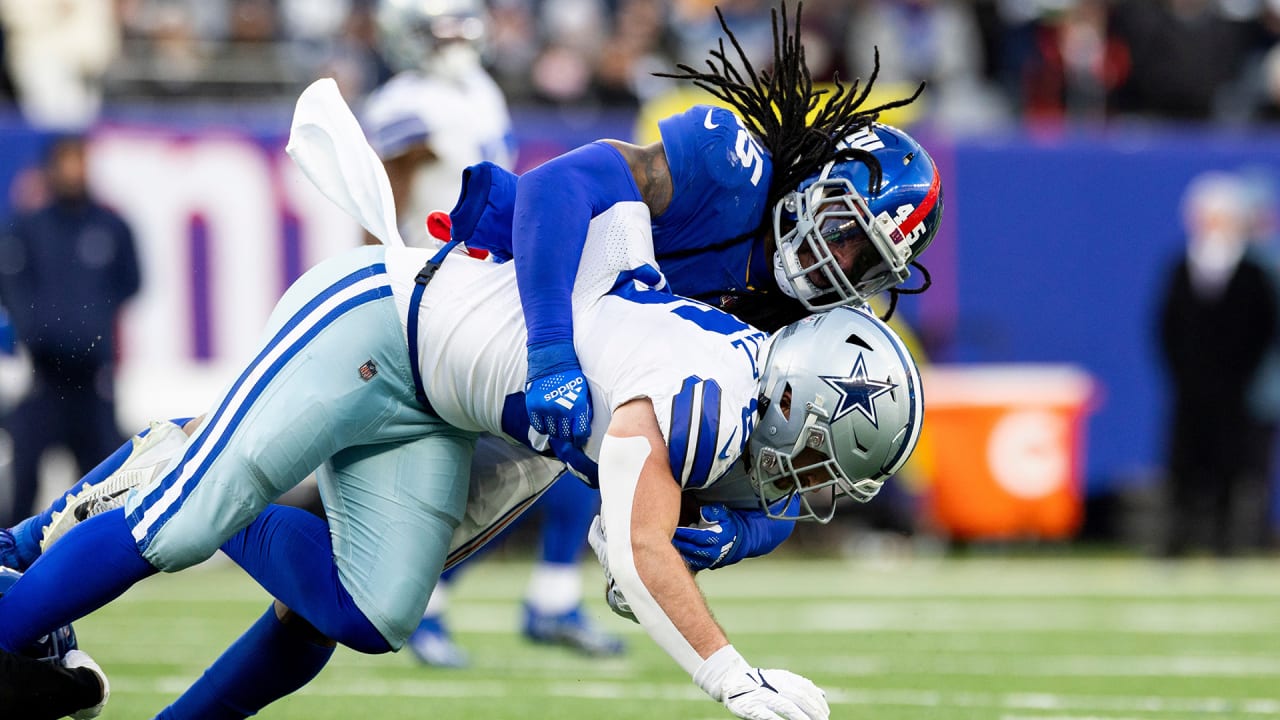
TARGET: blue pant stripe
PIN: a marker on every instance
(138, 516)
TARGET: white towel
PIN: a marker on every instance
(328, 145)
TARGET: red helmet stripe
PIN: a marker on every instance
(925, 207)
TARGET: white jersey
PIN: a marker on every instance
(463, 120)
(699, 366)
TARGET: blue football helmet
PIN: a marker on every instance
(834, 219)
(841, 411)
(439, 36)
(50, 648)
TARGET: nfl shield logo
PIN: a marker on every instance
(367, 371)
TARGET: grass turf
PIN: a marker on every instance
(976, 638)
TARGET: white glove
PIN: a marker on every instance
(757, 694)
(80, 659)
(617, 602)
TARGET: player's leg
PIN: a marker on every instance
(392, 512)
(503, 478)
(553, 601)
(288, 551)
(102, 488)
(277, 655)
(292, 408)
(431, 642)
(392, 516)
(94, 564)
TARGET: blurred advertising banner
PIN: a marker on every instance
(224, 224)
(1007, 449)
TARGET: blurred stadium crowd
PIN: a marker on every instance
(989, 62)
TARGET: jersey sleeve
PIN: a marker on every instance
(720, 178)
(554, 206)
(392, 119)
(698, 366)
(696, 437)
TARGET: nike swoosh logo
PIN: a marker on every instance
(706, 122)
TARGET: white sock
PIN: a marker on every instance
(554, 589)
(438, 604)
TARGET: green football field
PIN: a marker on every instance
(984, 638)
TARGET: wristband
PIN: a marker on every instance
(712, 672)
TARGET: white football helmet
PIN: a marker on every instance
(841, 411)
(432, 35)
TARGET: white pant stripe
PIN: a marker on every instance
(210, 435)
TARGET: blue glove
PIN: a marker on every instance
(726, 536)
(556, 397)
(582, 466)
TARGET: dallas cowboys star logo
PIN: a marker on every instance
(858, 392)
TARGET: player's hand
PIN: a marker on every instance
(726, 536)
(80, 659)
(556, 396)
(612, 595)
(774, 695)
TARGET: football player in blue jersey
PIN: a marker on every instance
(759, 211)
(392, 431)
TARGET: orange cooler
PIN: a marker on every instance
(1006, 447)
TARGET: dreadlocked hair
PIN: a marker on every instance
(895, 292)
(775, 104)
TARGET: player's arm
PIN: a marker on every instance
(640, 508)
(400, 171)
(554, 205)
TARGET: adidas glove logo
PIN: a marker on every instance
(565, 395)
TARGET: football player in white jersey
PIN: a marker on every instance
(440, 114)
(680, 387)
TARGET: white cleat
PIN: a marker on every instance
(150, 456)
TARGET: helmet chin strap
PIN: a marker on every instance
(807, 288)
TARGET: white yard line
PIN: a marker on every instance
(1076, 707)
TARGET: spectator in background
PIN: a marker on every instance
(57, 54)
(65, 269)
(935, 41)
(1066, 62)
(1186, 56)
(1217, 322)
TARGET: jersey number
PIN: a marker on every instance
(750, 155)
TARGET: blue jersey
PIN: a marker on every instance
(720, 185)
(702, 241)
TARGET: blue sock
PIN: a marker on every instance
(263, 665)
(567, 510)
(288, 551)
(26, 535)
(89, 567)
